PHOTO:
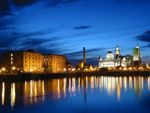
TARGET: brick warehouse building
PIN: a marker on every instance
(33, 62)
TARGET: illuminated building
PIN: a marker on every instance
(108, 62)
(117, 56)
(116, 60)
(55, 63)
(117, 52)
(88, 68)
(82, 65)
(33, 62)
(136, 55)
(23, 61)
(129, 60)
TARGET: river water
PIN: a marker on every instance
(102, 94)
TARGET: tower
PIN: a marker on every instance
(136, 56)
(136, 53)
(84, 56)
(117, 52)
(117, 56)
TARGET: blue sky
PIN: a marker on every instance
(66, 26)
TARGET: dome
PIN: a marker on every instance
(109, 52)
(124, 59)
(109, 56)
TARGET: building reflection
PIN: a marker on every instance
(13, 95)
(3, 93)
(148, 79)
(34, 91)
(31, 92)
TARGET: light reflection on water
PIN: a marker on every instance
(32, 92)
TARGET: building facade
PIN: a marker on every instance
(23, 61)
(108, 61)
(33, 62)
(55, 63)
(116, 60)
(136, 56)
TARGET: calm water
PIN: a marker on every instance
(77, 95)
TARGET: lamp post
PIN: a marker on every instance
(3, 70)
(13, 69)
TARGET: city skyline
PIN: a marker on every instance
(65, 26)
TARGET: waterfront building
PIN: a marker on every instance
(55, 63)
(115, 60)
(33, 62)
(23, 61)
(108, 62)
(117, 52)
(136, 56)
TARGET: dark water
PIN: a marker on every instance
(77, 95)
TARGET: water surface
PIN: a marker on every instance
(77, 95)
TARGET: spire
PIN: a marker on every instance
(137, 46)
(117, 51)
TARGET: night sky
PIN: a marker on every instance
(66, 26)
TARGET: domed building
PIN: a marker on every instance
(109, 60)
(115, 60)
(109, 56)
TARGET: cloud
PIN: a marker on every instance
(122, 2)
(145, 37)
(91, 55)
(16, 40)
(4, 8)
(6, 24)
(82, 27)
(23, 2)
(88, 51)
(146, 46)
(8, 6)
(59, 2)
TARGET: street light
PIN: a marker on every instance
(13, 68)
(3, 69)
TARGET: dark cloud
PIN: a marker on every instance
(5, 22)
(88, 51)
(16, 34)
(6, 42)
(58, 2)
(146, 46)
(75, 57)
(33, 42)
(16, 40)
(38, 45)
(131, 1)
(5, 5)
(82, 27)
(4, 8)
(145, 37)
(6, 28)
(23, 2)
